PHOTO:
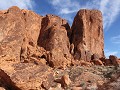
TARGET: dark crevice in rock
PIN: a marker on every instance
(43, 56)
(44, 24)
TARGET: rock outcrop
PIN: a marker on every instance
(11, 26)
(28, 37)
(87, 34)
(31, 33)
(114, 60)
(19, 34)
(54, 38)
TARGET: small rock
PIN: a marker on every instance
(59, 85)
(56, 88)
(65, 80)
(92, 87)
(43, 61)
(98, 62)
(45, 85)
(100, 82)
(77, 88)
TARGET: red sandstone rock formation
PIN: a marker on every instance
(11, 38)
(29, 37)
(19, 34)
(53, 37)
(30, 42)
(20, 30)
(31, 33)
(24, 33)
(87, 33)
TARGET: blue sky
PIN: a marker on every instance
(68, 8)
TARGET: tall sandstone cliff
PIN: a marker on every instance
(28, 37)
(87, 33)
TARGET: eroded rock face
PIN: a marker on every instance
(30, 76)
(19, 32)
(29, 46)
(11, 27)
(87, 33)
(54, 38)
(29, 37)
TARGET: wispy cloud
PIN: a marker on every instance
(116, 39)
(65, 6)
(109, 8)
(108, 53)
(24, 4)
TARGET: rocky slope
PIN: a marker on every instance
(45, 53)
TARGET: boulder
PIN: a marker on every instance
(87, 32)
(65, 80)
(97, 62)
(58, 87)
(114, 60)
(6, 82)
(107, 62)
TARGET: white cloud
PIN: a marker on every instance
(116, 39)
(65, 6)
(108, 53)
(109, 8)
(23, 4)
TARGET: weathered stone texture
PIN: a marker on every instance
(11, 26)
(87, 32)
(54, 38)
(19, 32)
